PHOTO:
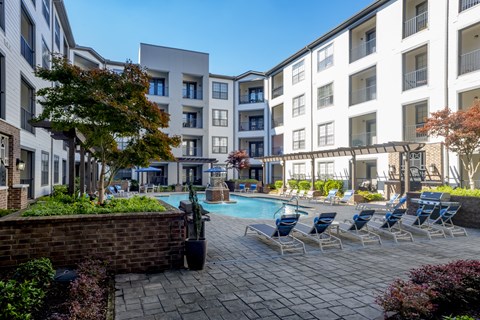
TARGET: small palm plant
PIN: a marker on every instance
(197, 212)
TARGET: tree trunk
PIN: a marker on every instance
(101, 184)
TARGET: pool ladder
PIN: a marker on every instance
(285, 204)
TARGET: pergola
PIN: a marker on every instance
(389, 147)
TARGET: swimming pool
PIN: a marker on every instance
(259, 208)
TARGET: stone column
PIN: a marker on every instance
(71, 165)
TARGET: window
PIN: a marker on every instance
(190, 120)
(57, 33)
(220, 90)
(189, 148)
(2, 14)
(325, 96)
(27, 38)
(56, 169)
(298, 106)
(299, 139)
(466, 4)
(124, 174)
(298, 72)
(299, 172)
(2, 86)
(325, 58)
(325, 134)
(220, 118)
(190, 90)
(44, 168)
(325, 170)
(157, 87)
(27, 101)
(46, 10)
(45, 55)
(255, 149)
(219, 144)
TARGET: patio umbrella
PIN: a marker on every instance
(216, 170)
(149, 169)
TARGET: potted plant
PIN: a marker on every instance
(195, 245)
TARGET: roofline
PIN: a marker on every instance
(62, 15)
(117, 63)
(243, 75)
(335, 31)
(221, 76)
(154, 45)
(92, 51)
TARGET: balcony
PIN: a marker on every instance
(192, 94)
(277, 92)
(277, 85)
(415, 79)
(363, 40)
(26, 51)
(192, 117)
(363, 86)
(467, 4)
(364, 94)
(363, 50)
(410, 133)
(192, 123)
(191, 151)
(252, 98)
(364, 139)
(277, 116)
(415, 24)
(158, 84)
(248, 126)
(363, 130)
(469, 50)
(254, 147)
(466, 98)
(251, 92)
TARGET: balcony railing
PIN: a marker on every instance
(277, 92)
(26, 51)
(415, 79)
(416, 24)
(255, 153)
(277, 150)
(467, 4)
(277, 122)
(26, 116)
(247, 126)
(250, 98)
(192, 123)
(411, 134)
(364, 95)
(470, 62)
(363, 50)
(192, 94)
(191, 151)
(160, 92)
(364, 139)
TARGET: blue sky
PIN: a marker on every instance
(239, 35)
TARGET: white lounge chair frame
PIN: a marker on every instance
(286, 243)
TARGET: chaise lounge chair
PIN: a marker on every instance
(420, 222)
(445, 221)
(241, 187)
(280, 234)
(357, 228)
(253, 188)
(392, 204)
(347, 196)
(390, 224)
(285, 193)
(331, 197)
(320, 231)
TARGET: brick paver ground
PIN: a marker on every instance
(247, 278)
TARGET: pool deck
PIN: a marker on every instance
(247, 278)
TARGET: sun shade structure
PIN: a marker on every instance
(215, 170)
(389, 147)
(149, 169)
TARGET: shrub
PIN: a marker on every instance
(19, 299)
(435, 291)
(368, 196)
(278, 184)
(333, 184)
(4, 212)
(456, 192)
(39, 270)
(319, 185)
(293, 184)
(304, 185)
(272, 186)
(60, 189)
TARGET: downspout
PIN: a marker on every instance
(52, 43)
(447, 156)
(234, 131)
(311, 114)
(266, 165)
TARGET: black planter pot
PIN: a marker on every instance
(230, 185)
(196, 252)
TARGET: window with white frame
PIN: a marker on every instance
(325, 96)
(220, 90)
(325, 134)
(56, 169)
(45, 55)
(219, 144)
(298, 105)
(220, 118)
(325, 57)
(325, 170)
(44, 168)
(57, 33)
(298, 138)
(298, 72)
(46, 10)
(299, 171)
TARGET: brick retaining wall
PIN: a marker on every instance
(468, 216)
(137, 242)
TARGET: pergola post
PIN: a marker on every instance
(353, 173)
(88, 178)
(312, 187)
(263, 175)
(284, 165)
(178, 173)
(82, 171)
(94, 175)
(406, 161)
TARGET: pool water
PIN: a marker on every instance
(258, 208)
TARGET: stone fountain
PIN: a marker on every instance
(217, 191)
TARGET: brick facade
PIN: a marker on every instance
(140, 242)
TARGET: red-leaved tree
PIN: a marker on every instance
(461, 131)
(238, 159)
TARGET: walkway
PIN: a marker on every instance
(247, 278)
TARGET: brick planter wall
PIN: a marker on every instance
(137, 242)
(468, 216)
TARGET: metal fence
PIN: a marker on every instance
(415, 79)
(416, 24)
(364, 49)
(364, 94)
(470, 61)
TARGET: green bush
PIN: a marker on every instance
(60, 189)
(54, 206)
(278, 184)
(4, 212)
(333, 184)
(19, 299)
(293, 184)
(368, 196)
(39, 270)
(304, 185)
(459, 318)
(319, 185)
(272, 186)
(456, 192)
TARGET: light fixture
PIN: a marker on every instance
(20, 165)
(392, 169)
(433, 168)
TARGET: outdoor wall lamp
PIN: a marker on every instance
(433, 168)
(20, 165)
(392, 169)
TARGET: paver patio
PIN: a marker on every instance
(247, 278)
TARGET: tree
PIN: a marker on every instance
(461, 131)
(107, 106)
(238, 159)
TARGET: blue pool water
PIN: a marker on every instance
(260, 208)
